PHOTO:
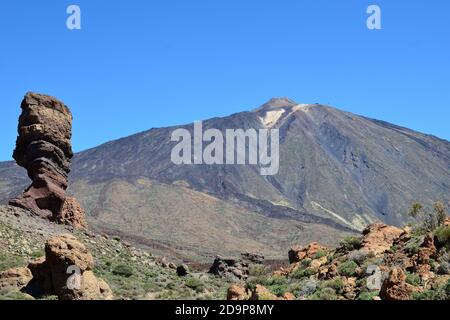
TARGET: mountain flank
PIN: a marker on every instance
(338, 173)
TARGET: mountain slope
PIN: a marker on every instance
(338, 172)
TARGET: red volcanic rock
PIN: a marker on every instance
(379, 237)
(72, 214)
(395, 287)
(43, 148)
(298, 253)
(66, 271)
(237, 293)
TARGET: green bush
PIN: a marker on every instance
(302, 273)
(429, 219)
(442, 235)
(278, 290)
(123, 270)
(336, 284)
(195, 284)
(447, 289)
(366, 295)
(15, 295)
(306, 262)
(304, 288)
(37, 254)
(351, 243)
(319, 254)
(8, 261)
(324, 294)
(348, 268)
(413, 246)
(442, 293)
(278, 285)
(413, 279)
(444, 264)
(275, 280)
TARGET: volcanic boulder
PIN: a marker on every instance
(298, 253)
(66, 271)
(235, 267)
(44, 149)
(396, 287)
(378, 238)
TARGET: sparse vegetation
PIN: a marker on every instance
(324, 294)
(413, 245)
(442, 293)
(195, 284)
(336, 284)
(320, 254)
(348, 268)
(123, 270)
(10, 261)
(442, 235)
(351, 243)
(302, 273)
(367, 295)
(256, 270)
(413, 279)
(430, 219)
(306, 263)
(444, 264)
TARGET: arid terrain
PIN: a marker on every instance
(358, 211)
(338, 173)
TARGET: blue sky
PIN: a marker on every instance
(140, 64)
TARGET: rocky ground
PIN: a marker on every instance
(385, 263)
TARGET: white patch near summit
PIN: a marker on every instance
(271, 117)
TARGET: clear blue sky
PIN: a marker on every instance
(142, 64)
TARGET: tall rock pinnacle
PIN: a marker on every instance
(44, 149)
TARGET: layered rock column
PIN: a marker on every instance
(44, 149)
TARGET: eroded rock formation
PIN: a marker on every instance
(51, 275)
(44, 149)
(235, 267)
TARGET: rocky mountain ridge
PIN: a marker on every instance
(338, 173)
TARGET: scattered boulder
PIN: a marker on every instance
(379, 238)
(172, 266)
(44, 149)
(237, 293)
(298, 253)
(182, 270)
(288, 296)
(14, 279)
(72, 214)
(226, 267)
(162, 261)
(232, 267)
